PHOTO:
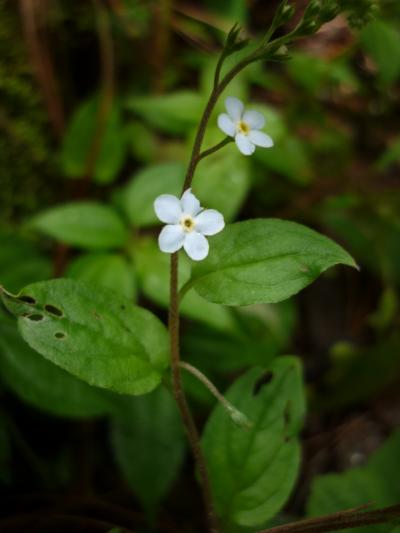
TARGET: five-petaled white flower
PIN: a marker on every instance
(244, 126)
(187, 223)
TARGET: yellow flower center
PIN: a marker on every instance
(187, 223)
(243, 127)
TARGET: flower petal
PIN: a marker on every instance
(196, 246)
(190, 204)
(244, 144)
(254, 119)
(209, 222)
(259, 138)
(226, 125)
(171, 238)
(234, 107)
(168, 208)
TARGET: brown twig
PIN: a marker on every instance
(348, 519)
(107, 87)
(161, 43)
(42, 64)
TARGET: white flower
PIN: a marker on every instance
(244, 126)
(187, 223)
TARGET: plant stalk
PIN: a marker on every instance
(186, 415)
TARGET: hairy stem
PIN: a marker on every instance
(187, 419)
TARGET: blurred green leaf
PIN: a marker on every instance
(153, 268)
(361, 374)
(144, 187)
(364, 227)
(83, 224)
(174, 113)
(312, 72)
(92, 333)
(43, 384)
(261, 332)
(142, 141)
(221, 182)
(149, 444)
(108, 270)
(79, 141)
(253, 471)
(376, 482)
(264, 261)
(288, 157)
(391, 155)
(381, 40)
(20, 262)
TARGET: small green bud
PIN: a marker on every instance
(239, 418)
(283, 14)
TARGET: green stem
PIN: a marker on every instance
(215, 148)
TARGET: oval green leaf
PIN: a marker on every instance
(264, 261)
(108, 270)
(149, 427)
(92, 333)
(253, 471)
(79, 139)
(83, 224)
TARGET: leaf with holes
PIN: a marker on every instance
(43, 384)
(264, 261)
(149, 427)
(83, 224)
(253, 471)
(93, 334)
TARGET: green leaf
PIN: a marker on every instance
(145, 186)
(41, 383)
(83, 224)
(221, 182)
(376, 482)
(149, 428)
(264, 261)
(382, 41)
(20, 262)
(172, 113)
(253, 471)
(93, 334)
(153, 268)
(108, 270)
(142, 141)
(289, 158)
(79, 141)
